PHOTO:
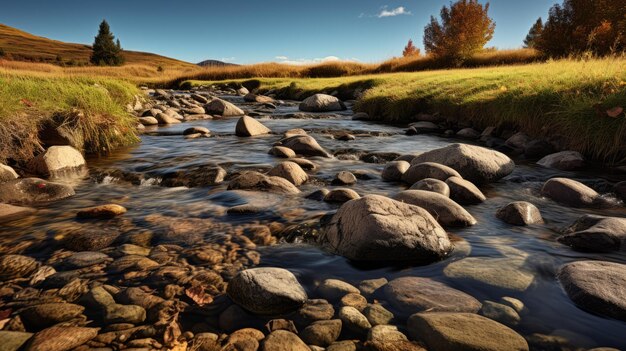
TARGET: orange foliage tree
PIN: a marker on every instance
(410, 49)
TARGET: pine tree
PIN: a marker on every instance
(105, 51)
(410, 49)
(533, 34)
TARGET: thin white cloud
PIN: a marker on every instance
(305, 61)
(282, 58)
(227, 59)
(398, 11)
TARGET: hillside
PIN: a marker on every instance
(22, 46)
(215, 63)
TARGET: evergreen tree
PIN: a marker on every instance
(410, 49)
(105, 50)
(533, 34)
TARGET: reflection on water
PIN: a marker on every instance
(532, 250)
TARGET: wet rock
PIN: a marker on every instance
(428, 170)
(103, 211)
(322, 333)
(394, 170)
(48, 314)
(267, 291)
(354, 320)
(468, 133)
(376, 228)
(369, 287)
(16, 266)
(136, 296)
(376, 314)
(163, 118)
(318, 195)
(124, 314)
(385, 334)
(294, 132)
(447, 212)
(379, 157)
(281, 151)
(341, 195)
(132, 262)
(507, 273)
(89, 239)
(58, 161)
(304, 163)
(432, 184)
(196, 176)
(476, 164)
(305, 145)
(344, 178)
(596, 234)
(60, 338)
(354, 300)
(7, 173)
(570, 192)
(85, 259)
(564, 160)
(345, 137)
(248, 126)
(290, 171)
(148, 121)
(196, 130)
(223, 108)
(250, 97)
(425, 127)
(33, 190)
(321, 103)
(443, 331)
(256, 181)
(199, 98)
(10, 213)
(281, 340)
(410, 295)
(13, 340)
(596, 286)
(314, 310)
(500, 313)
(520, 213)
(518, 141)
(464, 192)
(342, 345)
(335, 289)
(515, 304)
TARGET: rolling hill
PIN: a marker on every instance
(22, 46)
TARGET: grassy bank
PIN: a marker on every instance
(566, 99)
(92, 108)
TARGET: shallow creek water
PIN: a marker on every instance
(534, 248)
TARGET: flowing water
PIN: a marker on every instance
(531, 249)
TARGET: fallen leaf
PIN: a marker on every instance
(615, 112)
(198, 295)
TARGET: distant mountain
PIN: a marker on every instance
(22, 46)
(215, 63)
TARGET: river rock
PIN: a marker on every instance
(354, 320)
(596, 234)
(102, 211)
(428, 170)
(148, 121)
(281, 151)
(10, 213)
(7, 173)
(377, 228)
(304, 163)
(318, 195)
(597, 286)
(250, 97)
(16, 266)
(85, 259)
(33, 190)
(314, 310)
(570, 192)
(564, 160)
(290, 171)
(223, 108)
(321, 103)
(500, 313)
(445, 331)
(195, 176)
(304, 145)
(48, 314)
(432, 184)
(163, 118)
(89, 239)
(57, 161)
(322, 333)
(196, 130)
(248, 126)
(409, 295)
(519, 213)
(256, 181)
(506, 273)
(394, 170)
(344, 178)
(447, 212)
(334, 289)
(385, 334)
(60, 338)
(425, 127)
(476, 164)
(13, 340)
(376, 314)
(518, 141)
(124, 314)
(267, 291)
(464, 192)
(282, 340)
(341, 195)
(355, 300)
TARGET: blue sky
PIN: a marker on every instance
(248, 31)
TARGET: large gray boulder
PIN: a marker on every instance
(256, 181)
(419, 171)
(596, 286)
(321, 103)
(377, 228)
(248, 126)
(447, 212)
(33, 190)
(571, 193)
(304, 145)
(58, 161)
(267, 291)
(223, 108)
(564, 160)
(476, 164)
(596, 233)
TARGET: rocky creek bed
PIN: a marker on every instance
(305, 227)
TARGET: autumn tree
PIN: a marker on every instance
(533, 34)
(410, 49)
(105, 50)
(464, 29)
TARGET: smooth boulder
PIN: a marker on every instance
(564, 161)
(464, 192)
(321, 103)
(596, 234)
(519, 213)
(57, 161)
(377, 228)
(223, 108)
(341, 195)
(425, 170)
(394, 170)
(447, 212)
(33, 190)
(570, 192)
(256, 181)
(432, 184)
(248, 126)
(290, 171)
(477, 164)
(304, 145)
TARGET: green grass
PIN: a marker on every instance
(564, 98)
(28, 101)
